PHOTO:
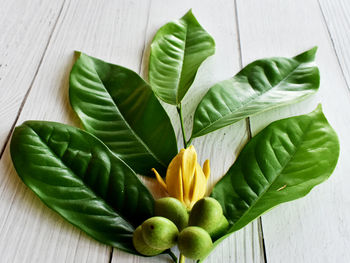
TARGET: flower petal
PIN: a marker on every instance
(199, 185)
(174, 177)
(206, 169)
(160, 179)
(189, 161)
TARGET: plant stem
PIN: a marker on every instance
(182, 258)
(172, 255)
(179, 111)
(189, 141)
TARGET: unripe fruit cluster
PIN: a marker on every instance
(204, 223)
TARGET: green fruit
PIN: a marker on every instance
(206, 213)
(141, 246)
(221, 228)
(172, 209)
(159, 232)
(194, 242)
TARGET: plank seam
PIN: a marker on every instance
(249, 132)
(238, 36)
(31, 83)
(333, 45)
(262, 239)
(111, 255)
(145, 44)
(145, 77)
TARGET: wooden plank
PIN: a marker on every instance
(111, 30)
(336, 14)
(315, 228)
(222, 146)
(25, 28)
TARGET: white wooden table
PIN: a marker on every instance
(37, 40)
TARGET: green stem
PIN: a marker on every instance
(179, 111)
(189, 141)
(182, 258)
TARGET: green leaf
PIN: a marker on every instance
(260, 86)
(76, 175)
(177, 51)
(280, 164)
(119, 107)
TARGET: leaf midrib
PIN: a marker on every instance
(182, 63)
(274, 180)
(127, 124)
(247, 103)
(73, 173)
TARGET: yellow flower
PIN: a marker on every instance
(185, 179)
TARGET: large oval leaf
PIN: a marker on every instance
(76, 175)
(119, 107)
(177, 51)
(262, 85)
(282, 163)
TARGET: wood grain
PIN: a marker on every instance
(315, 228)
(337, 19)
(110, 30)
(26, 28)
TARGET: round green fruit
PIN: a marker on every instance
(172, 209)
(221, 228)
(206, 213)
(159, 232)
(141, 246)
(194, 242)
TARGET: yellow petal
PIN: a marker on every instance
(206, 169)
(199, 186)
(174, 177)
(160, 179)
(188, 167)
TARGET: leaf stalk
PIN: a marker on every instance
(172, 255)
(179, 111)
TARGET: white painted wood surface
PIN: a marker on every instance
(337, 19)
(30, 232)
(38, 53)
(315, 228)
(25, 29)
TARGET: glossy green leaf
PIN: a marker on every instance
(280, 164)
(118, 106)
(260, 86)
(76, 175)
(177, 51)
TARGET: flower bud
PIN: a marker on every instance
(185, 179)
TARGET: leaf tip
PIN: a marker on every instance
(189, 12)
(317, 111)
(312, 52)
(318, 108)
(308, 55)
(77, 54)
